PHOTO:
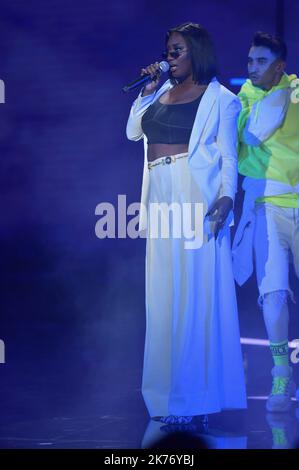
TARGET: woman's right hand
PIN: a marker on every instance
(152, 69)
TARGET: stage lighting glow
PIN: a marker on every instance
(237, 81)
(261, 397)
(265, 342)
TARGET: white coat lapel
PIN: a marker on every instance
(204, 109)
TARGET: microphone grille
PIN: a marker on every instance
(164, 66)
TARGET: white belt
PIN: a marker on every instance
(166, 160)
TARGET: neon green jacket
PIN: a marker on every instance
(277, 157)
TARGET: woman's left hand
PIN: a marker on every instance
(219, 211)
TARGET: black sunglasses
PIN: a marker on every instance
(174, 54)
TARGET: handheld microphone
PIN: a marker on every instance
(144, 79)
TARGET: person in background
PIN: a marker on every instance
(269, 226)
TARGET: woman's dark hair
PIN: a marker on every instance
(203, 55)
(275, 44)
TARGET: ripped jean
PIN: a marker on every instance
(276, 243)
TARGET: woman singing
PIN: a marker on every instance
(192, 358)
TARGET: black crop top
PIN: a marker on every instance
(169, 123)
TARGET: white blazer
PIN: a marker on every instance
(212, 146)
